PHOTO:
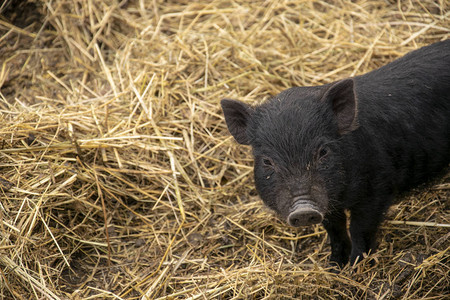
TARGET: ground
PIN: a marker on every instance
(119, 179)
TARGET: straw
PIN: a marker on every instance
(119, 179)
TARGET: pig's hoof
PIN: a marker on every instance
(339, 262)
(368, 261)
(356, 258)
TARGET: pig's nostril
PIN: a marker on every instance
(314, 219)
(296, 222)
(304, 217)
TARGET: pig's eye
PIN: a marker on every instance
(323, 151)
(267, 162)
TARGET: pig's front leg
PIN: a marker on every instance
(335, 224)
(365, 220)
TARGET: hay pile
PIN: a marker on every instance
(119, 179)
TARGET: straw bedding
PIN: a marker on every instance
(119, 179)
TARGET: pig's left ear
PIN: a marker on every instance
(237, 114)
(342, 98)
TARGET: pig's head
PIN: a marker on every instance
(295, 138)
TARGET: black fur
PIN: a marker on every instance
(353, 144)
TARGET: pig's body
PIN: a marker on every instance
(404, 109)
(353, 144)
(403, 138)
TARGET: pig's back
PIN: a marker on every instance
(404, 114)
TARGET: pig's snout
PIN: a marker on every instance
(304, 217)
(304, 214)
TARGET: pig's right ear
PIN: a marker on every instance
(237, 114)
(342, 98)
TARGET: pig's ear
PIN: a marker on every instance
(237, 115)
(342, 99)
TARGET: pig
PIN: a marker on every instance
(351, 145)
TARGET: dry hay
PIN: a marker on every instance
(119, 179)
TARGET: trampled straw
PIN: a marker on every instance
(119, 179)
